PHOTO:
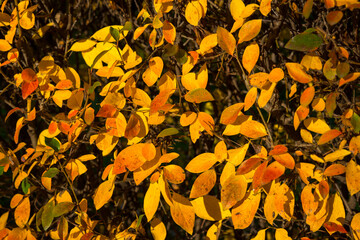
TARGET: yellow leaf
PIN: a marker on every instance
(233, 190)
(236, 156)
(83, 45)
(139, 31)
(201, 163)
(203, 184)
(355, 226)
(276, 75)
(297, 72)
(316, 125)
(207, 122)
(265, 7)
(318, 104)
(199, 95)
(141, 98)
(249, 30)
(250, 56)
(252, 129)
(244, 211)
(193, 12)
(281, 234)
(156, 65)
(220, 151)
(187, 118)
(209, 208)
(148, 167)
(158, 229)
(250, 98)
(132, 157)
(151, 200)
(336, 215)
(226, 40)
(307, 96)
(311, 62)
(306, 136)
(213, 231)
(149, 77)
(337, 155)
(293, 90)
(260, 235)
(76, 99)
(208, 43)
(183, 213)
(236, 9)
(27, 20)
(3, 220)
(103, 193)
(22, 212)
(103, 35)
(352, 177)
(266, 94)
(106, 143)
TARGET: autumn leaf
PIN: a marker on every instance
(250, 56)
(249, 30)
(252, 129)
(203, 184)
(233, 190)
(201, 163)
(352, 176)
(244, 211)
(151, 200)
(226, 40)
(199, 95)
(183, 213)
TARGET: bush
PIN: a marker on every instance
(182, 119)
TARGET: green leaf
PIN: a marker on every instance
(168, 132)
(181, 56)
(47, 215)
(139, 221)
(92, 88)
(1, 170)
(98, 57)
(38, 218)
(62, 208)
(53, 143)
(51, 172)
(127, 27)
(25, 185)
(304, 42)
(355, 121)
(170, 50)
(115, 33)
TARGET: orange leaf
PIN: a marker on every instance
(250, 56)
(106, 111)
(334, 227)
(324, 188)
(334, 169)
(187, 118)
(159, 101)
(278, 149)
(199, 95)
(220, 151)
(252, 129)
(131, 157)
(248, 165)
(207, 122)
(201, 163)
(349, 78)
(151, 200)
(276, 75)
(259, 172)
(174, 174)
(334, 17)
(183, 213)
(64, 84)
(307, 96)
(89, 115)
(133, 127)
(28, 88)
(259, 79)
(22, 212)
(156, 65)
(230, 114)
(265, 7)
(249, 30)
(318, 104)
(266, 94)
(28, 75)
(328, 136)
(11, 112)
(297, 72)
(226, 40)
(250, 98)
(52, 127)
(203, 184)
(234, 190)
(169, 32)
(330, 104)
(272, 172)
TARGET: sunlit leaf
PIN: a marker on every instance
(233, 190)
(151, 200)
(183, 213)
(209, 208)
(250, 56)
(103, 193)
(203, 184)
(158, 229)
(337, 155)
(201, 163)
(252, 129)
(199, 95)
(226, 40)
(249, 30)
(334, 169)
(244, 211)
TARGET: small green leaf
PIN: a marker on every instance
(92, 88)
(181, 56)
(1, 170)
(62, 208)
(304, 42)
(168, 132)
(127, 27)
(355, 121)
(115, 33)
(139, 221)
(51, 172)
(53, 143)
(38, 218)
(170, 50)
(47, 215)
(25, 185)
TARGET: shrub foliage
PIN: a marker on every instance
(193, 119)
